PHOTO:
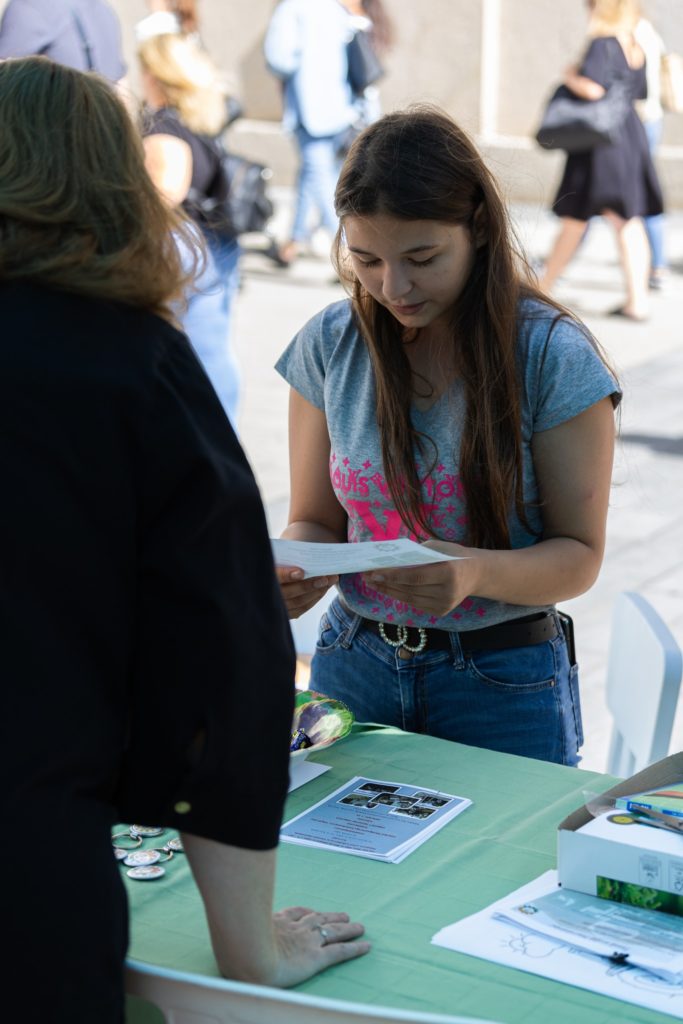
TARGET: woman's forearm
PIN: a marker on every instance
(552, 570)
(584, 88)
(314, 532)
(251, 943)
(236, 886)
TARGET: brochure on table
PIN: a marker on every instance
(618, 931)
(373, 818)
(493, 935)
(337, 559)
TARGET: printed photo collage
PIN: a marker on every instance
(392, 799)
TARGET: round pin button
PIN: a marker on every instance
(140, 857)
(119, 853)
(146, 872)
(175, 845)
(146, 830)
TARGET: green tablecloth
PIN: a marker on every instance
(506, 838)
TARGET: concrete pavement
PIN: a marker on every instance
(645, 525)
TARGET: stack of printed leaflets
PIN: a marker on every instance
(369, 818)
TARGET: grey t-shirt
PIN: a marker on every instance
(51, 28)
(329, 365)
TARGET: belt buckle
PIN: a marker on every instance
(402, 638)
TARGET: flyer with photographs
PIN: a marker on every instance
(369, 818)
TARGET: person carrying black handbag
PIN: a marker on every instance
(616, 180)
(185, 110)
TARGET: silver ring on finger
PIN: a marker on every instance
(323, 932)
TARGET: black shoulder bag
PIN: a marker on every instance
(236, 201)
(363, 62)
(576, 125)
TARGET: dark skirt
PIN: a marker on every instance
(619, 177)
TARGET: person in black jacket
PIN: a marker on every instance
(138, 602)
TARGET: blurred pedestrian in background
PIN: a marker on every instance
(447, 402)
(371, 16)
(305, 47)
(651, 114)
(185, 13)
(617, 181)
(83, 34)
(186, 108)
(133, 546)
(188, 15)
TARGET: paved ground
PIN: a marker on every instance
(645, 528)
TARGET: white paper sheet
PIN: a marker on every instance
(301, 772)
(336, 559)
(646, 938)
(485, 936)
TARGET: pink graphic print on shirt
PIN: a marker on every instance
(364, 494)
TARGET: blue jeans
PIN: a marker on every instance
(524, 700)
(317, 179)
(654, 226)
(207, 321)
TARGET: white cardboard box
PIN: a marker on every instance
(636, 854)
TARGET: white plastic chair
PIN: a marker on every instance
(643, 680)
(305, 628)
(194, 999)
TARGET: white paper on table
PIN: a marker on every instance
(486, 936)
(337, 559)
(302, 771)
(647, 938)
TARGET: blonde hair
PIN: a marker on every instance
(78, 210)
(612, 17)
(188, 79)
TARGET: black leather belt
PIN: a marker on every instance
(522, 632)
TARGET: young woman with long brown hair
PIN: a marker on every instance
(447, 401)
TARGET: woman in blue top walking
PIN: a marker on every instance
(450, 402)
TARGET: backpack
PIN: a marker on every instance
(236, 201)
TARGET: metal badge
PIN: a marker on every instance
(146, 830)
(119, 853)
(140, 857)
(126, 841)
(174, 845)
(146, 872)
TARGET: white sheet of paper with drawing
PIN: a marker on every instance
(646, 938)
(336, 559)
(488, 936)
